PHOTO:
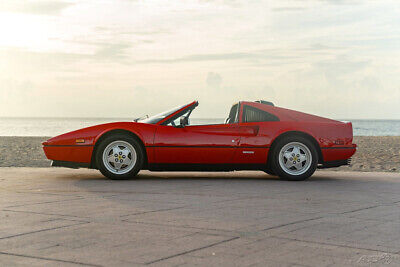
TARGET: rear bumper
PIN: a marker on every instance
(338, 153)
(334, 164)
(69, 164)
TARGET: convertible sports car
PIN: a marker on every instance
(255, 136)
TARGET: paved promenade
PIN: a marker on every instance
(54, 217)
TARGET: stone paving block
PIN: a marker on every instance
(98, 208)
(243, 247)
(382, 213)
(16, 223)
(60, 217)
(181, 199)
(108, 244)
(11, 198)
(348, 230)
(16, 260)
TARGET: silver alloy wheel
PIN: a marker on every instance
(119, 157)
(295, 158)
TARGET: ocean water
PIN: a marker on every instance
(56, 126)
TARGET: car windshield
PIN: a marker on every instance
(156, 118)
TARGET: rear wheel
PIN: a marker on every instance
(119, 157)
(294, 158)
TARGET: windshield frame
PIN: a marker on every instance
(164, 116)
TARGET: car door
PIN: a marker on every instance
(253, 148)
(199, 144)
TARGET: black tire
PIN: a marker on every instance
(276, 167)
(120, 137)
(269, 169)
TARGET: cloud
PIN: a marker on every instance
(37, 7)
(204, 49)
(257, 55)
(127, 31)
(214, 80)
(230, 3)
(21, 60)
(333, 2)
(18, 60)
(16, 93)
(201, 57)
(322, 47)
(269, 93)
(288, 9)
(341, 2)
(340, 67)
(113, 51)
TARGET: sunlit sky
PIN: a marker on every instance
(126, 58)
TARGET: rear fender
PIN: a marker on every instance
(303, 133)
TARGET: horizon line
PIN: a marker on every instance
(132, 118)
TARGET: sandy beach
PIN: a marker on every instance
(375, 153)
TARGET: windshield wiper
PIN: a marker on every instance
(141, 118)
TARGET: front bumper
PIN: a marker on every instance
(76, 153)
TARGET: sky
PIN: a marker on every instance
(127, 58)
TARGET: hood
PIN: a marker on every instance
(86, 136)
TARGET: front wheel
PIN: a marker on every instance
(294, 158)
(119, 157)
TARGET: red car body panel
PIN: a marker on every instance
(81, 154)
(235, 143)
(56, 147)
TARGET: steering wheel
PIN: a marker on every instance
(173, 123)
(227, 120)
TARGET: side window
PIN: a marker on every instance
(176, 121)
(251, 114)
(232, 118)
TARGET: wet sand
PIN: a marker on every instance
(375, 153)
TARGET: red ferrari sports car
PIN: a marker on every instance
(255, 136)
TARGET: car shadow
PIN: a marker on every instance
(197, 176)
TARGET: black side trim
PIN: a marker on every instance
(69, 164)
(343, 147)
(334, 164)
(203, 167)
(67, 145)
(215, 146)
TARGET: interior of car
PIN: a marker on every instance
(182, 120)
(250, 114)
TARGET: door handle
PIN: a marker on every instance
(235, 140)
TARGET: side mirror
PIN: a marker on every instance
(184, 121)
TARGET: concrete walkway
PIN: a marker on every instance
(77, 217)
